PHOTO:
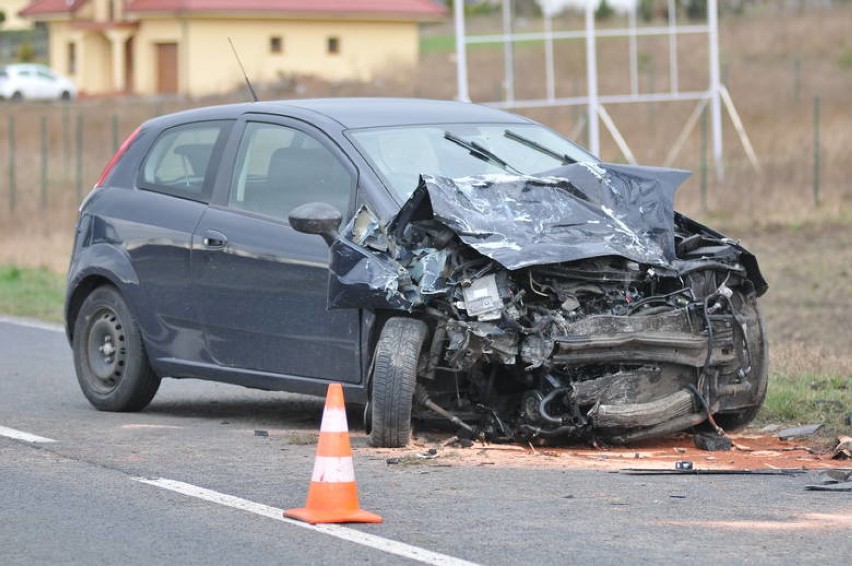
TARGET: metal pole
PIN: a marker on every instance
(634, 57)
(461, 53)
(592, 77)
(43, 163)
(508, 53)
(548, 57)
(673, 47)
(816, 151)
(704, 159)
(715, 87)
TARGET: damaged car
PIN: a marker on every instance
(442, 260)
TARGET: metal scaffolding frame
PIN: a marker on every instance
(715, 94)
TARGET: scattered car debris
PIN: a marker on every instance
(799, 431)
(843, 450)
(261, 433)
(705, 472)
(712, 442)
(833, 480)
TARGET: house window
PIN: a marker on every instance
(72, 58)
(333, 45)
(276, 44)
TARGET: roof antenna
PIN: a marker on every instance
(243, 69)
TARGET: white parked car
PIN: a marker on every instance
(26, 81)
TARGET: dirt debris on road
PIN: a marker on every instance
(749, 452)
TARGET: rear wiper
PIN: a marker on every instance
(481, 152)
(563, 157)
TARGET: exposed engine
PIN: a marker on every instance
(653, 334)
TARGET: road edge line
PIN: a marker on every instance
(351, 535)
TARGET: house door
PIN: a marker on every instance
(167, 68)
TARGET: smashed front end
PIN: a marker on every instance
(577, 305)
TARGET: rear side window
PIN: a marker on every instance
(179, 162)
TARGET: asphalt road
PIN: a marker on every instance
(82, 499)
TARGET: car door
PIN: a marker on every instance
(48, 85)
(155, 224)
(261, 287)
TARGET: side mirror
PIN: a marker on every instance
(316, 218)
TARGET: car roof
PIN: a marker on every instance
(365, 112)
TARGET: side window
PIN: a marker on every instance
(177, 162)
(280, 168)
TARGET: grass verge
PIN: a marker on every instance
(36, 293)
(808, 386)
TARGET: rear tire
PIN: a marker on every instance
(394, 376)
(17, 96)
(109, 357)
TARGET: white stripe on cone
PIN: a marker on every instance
(328, 469)
(334, 420)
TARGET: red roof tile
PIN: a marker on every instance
(406, 7)
(424, 7)
(37, 7)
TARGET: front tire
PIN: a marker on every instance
(394, 376)
(759, 377)
(109, 357)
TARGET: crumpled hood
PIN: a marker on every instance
(576, 212)
(579, 211)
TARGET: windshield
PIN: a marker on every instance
(401, 154)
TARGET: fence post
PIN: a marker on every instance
(797, 79)
(79, 183)
(12, 188)
(66, 138)
(115, 140)
(816, 151)
(43, 163)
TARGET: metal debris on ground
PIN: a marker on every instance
(799, 431)
(833, 480)
(843, 450)
(261, 433)
(712, 442)
(704, 471)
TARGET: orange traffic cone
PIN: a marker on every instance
(333, 495)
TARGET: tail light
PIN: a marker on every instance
(115, 158)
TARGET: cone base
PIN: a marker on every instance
(314, 516)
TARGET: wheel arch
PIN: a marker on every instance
(98, 265)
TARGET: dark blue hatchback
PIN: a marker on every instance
(196, 256)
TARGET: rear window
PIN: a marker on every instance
(179, 162)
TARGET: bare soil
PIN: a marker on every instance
(751, 452)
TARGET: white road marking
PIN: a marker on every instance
(344, 533)
(32, 323)
(21, 435)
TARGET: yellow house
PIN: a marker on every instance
(181, 46)
(12, 20)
